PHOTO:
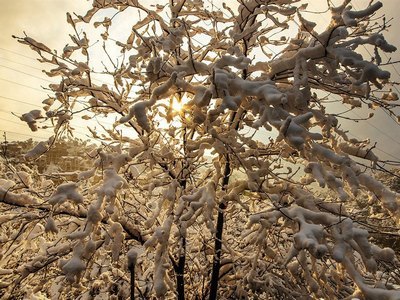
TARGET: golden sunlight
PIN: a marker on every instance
(177, 104)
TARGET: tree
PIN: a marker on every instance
(207, 183)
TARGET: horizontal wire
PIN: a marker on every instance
(16, 53)
(24, 134)
(24, 85)
(377, 128)
(31, 75)
(19, 101)
(21, 64)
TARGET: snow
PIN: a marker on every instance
(132, 258)
(74, 266)
(349, 16)
(64, 192)
(160, 190)
(31, 118)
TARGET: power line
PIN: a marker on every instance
(31, 75)
(262, 133)
(390, 116)
(94, 79)
(41, 137)
(24, 85)
(42, 130)
(16, 53)
(20, 101)
(22, 124)
(23, 134)
(16, 100)
(18, 63)
(377, 128)
(377, 148)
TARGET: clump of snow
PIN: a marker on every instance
(74, 267)
(116, 232)
(112, 182)
(31, 118)
(64, 192)
(50, 225)
(23, 199)
(138, 110)
(132, 256)
(349, 16)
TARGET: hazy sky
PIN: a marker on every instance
(21, 77)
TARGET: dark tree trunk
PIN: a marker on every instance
(132, 271)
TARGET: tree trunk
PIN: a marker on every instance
(180, 272)
(217, 252)
(218, 235)
(132, 271)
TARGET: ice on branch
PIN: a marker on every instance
(50, 225)
(34, 45)
(202, 201)
(116, 232)
(390, 200)
(317, 171)
(315, 229)
(359, 152)
(112, 183)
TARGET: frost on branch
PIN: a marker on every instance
(221, 168)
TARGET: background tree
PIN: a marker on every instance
(184, 192)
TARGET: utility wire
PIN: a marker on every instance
(377, 128)
(23, 123)
(377, 148)
(24, 85)
(29, 66)
(16, 53)
(21, 64)
(19, 101)
(23, 134)
(31, 75)
(24, 102)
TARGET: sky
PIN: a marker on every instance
(21, 76)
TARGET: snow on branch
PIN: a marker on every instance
(218, 165)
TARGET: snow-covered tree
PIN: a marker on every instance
(217, 137)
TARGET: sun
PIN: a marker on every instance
(177, 105)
